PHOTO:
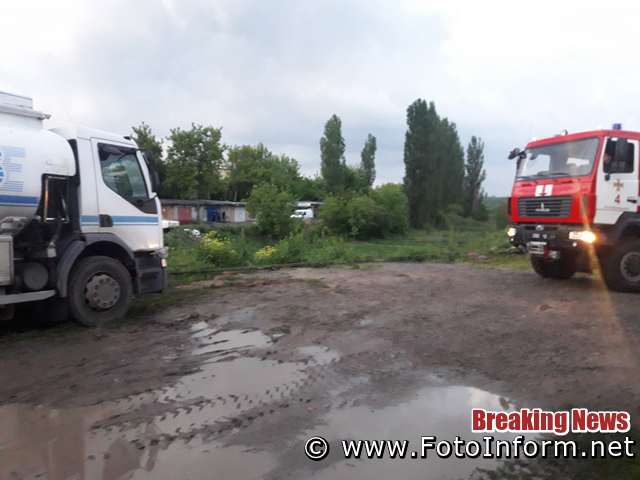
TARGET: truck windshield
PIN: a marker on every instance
(559, 159)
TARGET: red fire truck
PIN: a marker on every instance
(575, 205)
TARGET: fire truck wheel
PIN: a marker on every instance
(621, 267)
(561, 269)
(100, 291)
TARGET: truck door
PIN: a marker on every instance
(616, 183)
(126, 205)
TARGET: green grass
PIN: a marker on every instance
(442, 246)
(464, 240)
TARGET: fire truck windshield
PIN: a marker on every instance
(571, 159)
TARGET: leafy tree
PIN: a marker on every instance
(474, 177)
(309, 189)
(149, 143)
(355, 180)
(368, 160)
(453, 164)
(194, 162)
(434, 164)
(272, 209)
(420, 163)
(249, 166)
(332, 148)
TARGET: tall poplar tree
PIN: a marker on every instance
(368, 160)
(434, 164)
(332, 148)
(475, 175)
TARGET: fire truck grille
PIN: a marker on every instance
(544, 206)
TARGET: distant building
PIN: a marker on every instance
(215, 211)
(209, 211)
(315, 206)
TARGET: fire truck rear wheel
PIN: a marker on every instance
(560, 269)
(621, 267)
(100, 291)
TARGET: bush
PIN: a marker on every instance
(382, 212)
(393, 200)
(334, 215)
(272, 210)
(292, 249)
(219, 251)
(502, 218)
(366, 218)
(266, 255)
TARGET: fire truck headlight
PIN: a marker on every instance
(584, 236)
(511, 232)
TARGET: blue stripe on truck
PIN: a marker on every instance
(93, 220)
(14, 200)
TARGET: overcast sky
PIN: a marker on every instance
(274, 71)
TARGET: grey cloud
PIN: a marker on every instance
(273, 72)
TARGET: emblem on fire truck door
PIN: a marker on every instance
(618, 186)
(544, 190)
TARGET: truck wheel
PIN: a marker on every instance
(621, 267)
(561, 269)
(100, 291)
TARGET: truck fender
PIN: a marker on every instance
(104, 243)
(67, 261)
(627, 225)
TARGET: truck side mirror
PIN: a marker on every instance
(514, 153)
(155, 179)
(153, 173)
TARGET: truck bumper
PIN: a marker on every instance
(151, 274)
(541, 239)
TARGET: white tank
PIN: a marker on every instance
(27, 152)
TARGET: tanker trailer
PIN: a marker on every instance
(80, 225)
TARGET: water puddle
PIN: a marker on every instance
(320, 355)
(228, 341)
(39, 443)
(175, 432)
(443, 412)
(159, 434)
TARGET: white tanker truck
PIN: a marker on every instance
(80, 224)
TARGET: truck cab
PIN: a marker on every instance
(80, 222)
(574, 205)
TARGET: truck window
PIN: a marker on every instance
(121, 172)
(572, 158)
(624, 166)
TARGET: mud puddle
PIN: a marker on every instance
(184, 429)
(441, 411)
(38, 442)
(168, 433)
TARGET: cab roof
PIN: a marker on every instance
(71, 132)
(581, 135)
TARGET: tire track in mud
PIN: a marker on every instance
(217, 399)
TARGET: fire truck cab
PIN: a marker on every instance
(575, 205)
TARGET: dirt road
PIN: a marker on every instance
(232, 380)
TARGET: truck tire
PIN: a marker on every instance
(100, 291)
(561, 269)
(621, 267)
